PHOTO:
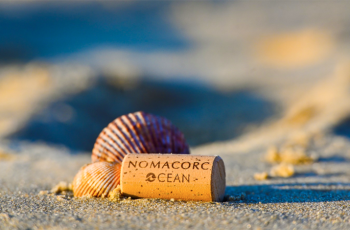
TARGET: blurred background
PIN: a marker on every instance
(219, 71)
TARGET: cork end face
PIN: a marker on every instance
(218, 180)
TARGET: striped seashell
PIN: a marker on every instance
(96, 179)
(138, 133)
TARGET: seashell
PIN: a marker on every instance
(138, 133)
(96, 179)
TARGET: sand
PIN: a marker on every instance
(256, 75)
(316, 197)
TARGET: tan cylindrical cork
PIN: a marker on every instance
(176, 176)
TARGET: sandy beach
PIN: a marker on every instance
(264, 85)
(317, 196)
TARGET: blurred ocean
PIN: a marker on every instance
(45, 31)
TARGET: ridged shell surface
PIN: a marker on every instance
(138, 133)
(96, 179)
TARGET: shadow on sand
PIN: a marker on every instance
(343, 128)
(200, 112)
(291, 193)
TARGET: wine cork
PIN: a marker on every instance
(173, 176)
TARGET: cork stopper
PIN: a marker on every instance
(173, 176)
